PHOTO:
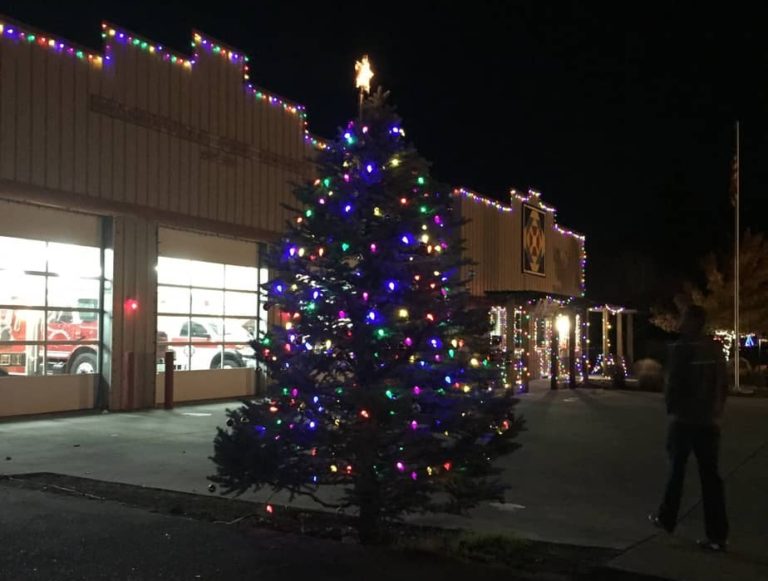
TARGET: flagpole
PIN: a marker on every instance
(736, 285)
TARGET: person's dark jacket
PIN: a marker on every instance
(696, 384)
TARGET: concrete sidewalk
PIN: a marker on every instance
(677, 556)
(591, 466)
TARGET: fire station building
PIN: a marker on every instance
(138, 190)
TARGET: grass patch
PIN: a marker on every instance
(491, 548)
(496, 548)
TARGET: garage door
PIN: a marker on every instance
(51, 285)
(209, 309)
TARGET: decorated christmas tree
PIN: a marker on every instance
(382, 384)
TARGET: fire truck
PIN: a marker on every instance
(79, 329)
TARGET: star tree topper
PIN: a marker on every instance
(363, 80)
(364, 74)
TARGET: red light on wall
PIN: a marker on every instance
(131, 305)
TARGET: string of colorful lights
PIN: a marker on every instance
(19, 34)
(534, 198)
(111, 34)
(465, 193)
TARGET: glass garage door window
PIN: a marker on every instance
(50, 307)
(208, 313)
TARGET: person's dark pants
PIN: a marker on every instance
(704, 441)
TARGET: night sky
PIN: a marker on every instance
(622, 118)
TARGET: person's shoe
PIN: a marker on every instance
(713, 546)
(654, 519)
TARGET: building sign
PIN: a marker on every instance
(216, 148)
(534, 241)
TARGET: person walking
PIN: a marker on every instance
(695, 394)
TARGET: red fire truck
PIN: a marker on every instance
(78, 329)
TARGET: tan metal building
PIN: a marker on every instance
(136, 187)
(530, 273)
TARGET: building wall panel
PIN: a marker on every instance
(493, 239)
(23, 100)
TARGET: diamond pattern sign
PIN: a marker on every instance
(534, 241)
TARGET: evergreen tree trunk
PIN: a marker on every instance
(368, 490)
(369, 521)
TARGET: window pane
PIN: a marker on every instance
(235, 356)
(162, 346)
(238, 348)
(22, 254)
(109, 264)
(206, 274)
(198, 331)
(205, 355)
(238, 330)
(21, 325)
(180, 357)
(172, 299)
(69, 292)
(173, 270)
(21, 359)
(207, 330)
(240, 304)
(71, 359)
(263, 323)
(241, 278)
(175, 328)
(21, 289)
(221, 356)
(263, 279)
(66, 325)
(207, 302)
(73, 260)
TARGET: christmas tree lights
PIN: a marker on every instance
(383, 383)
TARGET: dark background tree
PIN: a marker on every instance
(715, 291)
(383, 383)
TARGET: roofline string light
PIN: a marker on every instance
(236, 58)
(14, 32)
(240, 59)
(111, 34)
(610, 308)
(503, 208)
(480, 199)
(534, 198)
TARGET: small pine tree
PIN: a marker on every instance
(382, 378)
